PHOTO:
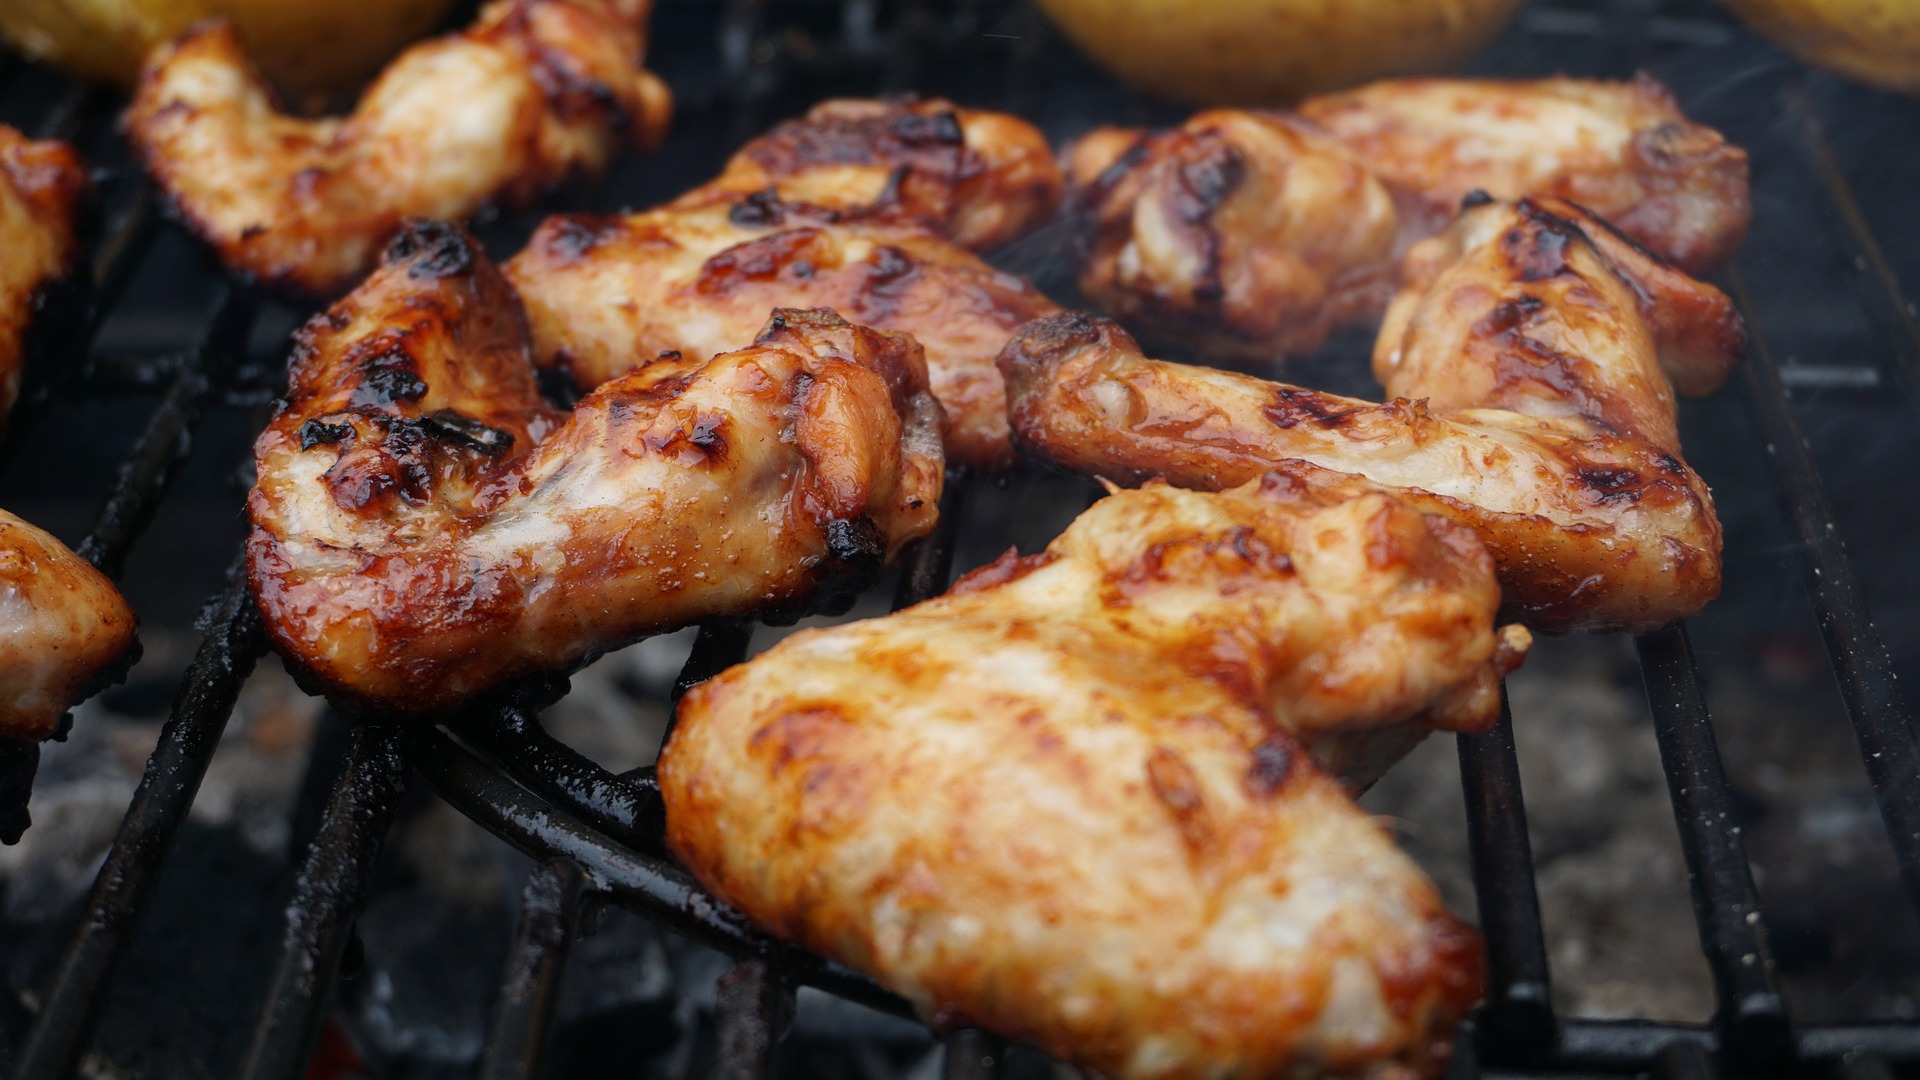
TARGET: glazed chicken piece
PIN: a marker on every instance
(1530, 361)
(1248, 235)
(1622, 150)
(533, 92)
(863, 207)
(63, 630)
(41, 185)
(1066, 800)
(424, 527)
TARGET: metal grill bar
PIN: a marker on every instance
(1860, 660)
(146, 835)
(973, 1054)
(1683, 1061)
(521, 1030)
(330, 892)
(751, 1009)
(626, 807)
(1517, 1022)
(1752, 1008)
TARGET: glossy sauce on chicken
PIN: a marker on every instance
(41, 185)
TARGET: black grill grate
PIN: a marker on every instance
(598, 835)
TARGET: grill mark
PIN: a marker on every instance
(1271, 766)
(317, 432)
(1292, 406)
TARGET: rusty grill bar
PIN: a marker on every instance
(598, 837)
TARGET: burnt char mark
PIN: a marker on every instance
(1272, 764)
(703, 441)
(449, 427)
(756, 260)
(1475, 199)
(388, 376)
(761, 209)
(1029, 357)
(1509, 315)
(1610, 484)
(436, 249)
(1614, 231)
(929, 129)
(573, 236)
(1208, 182)
(318, 432)
(857, 543)
(1292, 405)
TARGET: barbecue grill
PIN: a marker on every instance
(1834, 354)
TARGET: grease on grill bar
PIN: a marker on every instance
(597, 833)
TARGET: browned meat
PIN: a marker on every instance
(1530, 360)
(1067, 800)
(41, 185)
(532, 92)
(424, 527)
(861, 207)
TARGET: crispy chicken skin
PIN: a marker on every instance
(1529, 361)
(63, 628)
(1238, 235)
(863, 207)
(532, 92)
(1623, 150)
(424, 527)
(41, 186)
(1063, 801)
(1245, 235)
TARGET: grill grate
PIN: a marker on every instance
(598, 835)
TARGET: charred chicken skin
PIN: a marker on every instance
(1246, 235)
(1530, 362)
(532, 92)
(1066, 800)
(63, 629)
(424, 527)
(41, 185)
(864, 207)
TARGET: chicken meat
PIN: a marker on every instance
(424, 527)
(41, 186)
(1071, 801)
(63, 630)
(532, 92)
(1530, 361)
(868, 208)
(1248, 235)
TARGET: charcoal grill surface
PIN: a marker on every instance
(1814, 441)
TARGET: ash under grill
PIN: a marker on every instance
(141, 413)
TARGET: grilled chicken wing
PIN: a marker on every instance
(1530, 361)
(1064, 801)
(534, 91)
(62, 628)
(423, 527)
(1247, 235)
(41, 184)
(1623, 150)
(861, 207)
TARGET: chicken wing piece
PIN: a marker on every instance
(1623, 150)
(41, 185)
(424, 527)
(1529, 371)
(1239, 234)
(533, 91)
(864, 207)
(1246, 235)
(63, 629)
(1064, 801)
(977, 178)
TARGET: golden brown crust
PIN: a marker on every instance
(1622, 149)
(424, 527)
(534, 91)
(1248, 235)
(41, 186)
(1064, 802)
(1529, 403)
(62, 628)
(862, 206)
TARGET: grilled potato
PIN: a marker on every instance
(304, 46)
(1269, 52)
(1875, 41)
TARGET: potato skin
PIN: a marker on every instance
(1875, 41)
(304, 46)
(1270, 52)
